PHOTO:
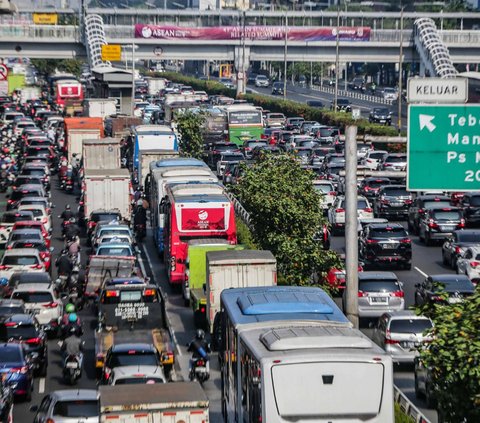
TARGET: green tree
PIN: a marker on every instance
(189, 126)
(73, 66)
(285, 212)
(49, 66)
(453, 358)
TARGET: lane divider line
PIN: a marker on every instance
(41, 385)
(420, 271)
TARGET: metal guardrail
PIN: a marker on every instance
(240, 210)
(30, 32)
(408, 407)
(352, 94)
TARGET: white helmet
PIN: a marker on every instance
(4, 166)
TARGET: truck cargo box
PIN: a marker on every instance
(103, 153)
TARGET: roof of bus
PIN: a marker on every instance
(177, 162)
(201, 198)
(240, 107)
(183, 171)
(270, 303)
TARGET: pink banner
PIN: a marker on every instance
(354, 33)
(203, 219)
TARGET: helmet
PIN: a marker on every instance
(200, 334)
(72, 317)
(72, 331)
(4, 166)
(70, 308)
(67, 207)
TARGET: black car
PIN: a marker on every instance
(343, 105)
(456, 287)
(457, 243)
(380, 115)
(471, 208)
(6, 402)
(392, 200)
(315, 103)
(261, 151)
(370, 186)
(24, 329)
(418, 207)
(277, 88)
(385, 243)
(440, 223)
(294, 123)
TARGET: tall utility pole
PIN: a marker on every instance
(133, 78)
(400, 74)
(285, 59)
(241, 64)
(337, 63)
(351, 225)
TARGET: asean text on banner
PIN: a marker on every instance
(167, 32)
(444, 147)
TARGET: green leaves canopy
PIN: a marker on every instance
(189, 126)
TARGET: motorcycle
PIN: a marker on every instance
(68, 184)
(72, 368)
(140, 231)
(199, 371)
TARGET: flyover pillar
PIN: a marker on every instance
(242, 63)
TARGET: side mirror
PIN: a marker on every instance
(34, 408)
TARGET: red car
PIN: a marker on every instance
(336, 277)
(44, 251)
(33, 224)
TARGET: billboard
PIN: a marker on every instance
(258, 33)
(208, 219)
(45, 19)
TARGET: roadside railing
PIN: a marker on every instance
(408, 407)
(58, 33)
(352, 94)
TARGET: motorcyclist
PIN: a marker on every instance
(70, 310)
(73, 321)
(140, 215)
(75, 160)
(199, 348)
(74, 250)
(71, 231)
(67, 214)
(64, 265)
(73, 344)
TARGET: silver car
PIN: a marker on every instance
(400, 332)
(378, 293)
(130, 375)
(69, 406)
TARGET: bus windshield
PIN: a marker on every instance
(245, 117)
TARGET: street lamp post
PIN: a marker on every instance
(337, 64)
(133, 78)
(400, 74)
(285, 59)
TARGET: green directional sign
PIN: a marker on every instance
(444, 147)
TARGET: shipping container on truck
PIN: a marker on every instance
(119, 126)
(103, 153)
(108, 189)
(145, 157)
(100, 107)
(155, 85)
(78, 129)
(188, 217)
(154, 403)
(236, 269)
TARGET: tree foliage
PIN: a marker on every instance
(285, 211)
(49, 66)
(453, 358)
(189, 126)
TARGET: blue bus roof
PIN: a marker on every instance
(263, 304)
(175, 162)
(201, 198)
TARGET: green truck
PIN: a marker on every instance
(195, 280)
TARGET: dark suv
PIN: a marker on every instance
(380, 115)
(392, 200)
(24, 329)
(471, 208)
(369, 187)
(456, 288)
(420, 204)
(456, 245)
(385, 243)
(440, 223)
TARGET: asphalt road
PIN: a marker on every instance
(301, 95)
(425, 260)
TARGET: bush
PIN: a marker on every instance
(401, 417)
(244, 236)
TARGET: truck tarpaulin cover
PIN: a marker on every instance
(203, 219)
(168, 32)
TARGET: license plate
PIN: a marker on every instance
(379, 300)
(382, 120)
(447, 227)
(407, 344)
(72, 365)
(396, 204)
(389, 246)
(455, 300)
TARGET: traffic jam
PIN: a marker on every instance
(104, 222)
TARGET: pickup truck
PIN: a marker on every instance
(132, 313)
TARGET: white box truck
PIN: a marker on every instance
(236, 269)
(107, 189)
(155, 85)
(100, 107)
(103, 153)
(154, 403)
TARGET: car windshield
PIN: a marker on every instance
(114, 251)
(455, 284)
(337, 159)
(468, 237)
(252, 144)
(396, 192)
(12, 218)
(17, 236)
(19, 260)
(377, 183)
(410, 325)
(11, 310)
(223, 147)
(447, 215)
(376, 156)
(396, 159)
(10, 355)
(107, 217)
(362, 204)
(232, 157)
(133, 358)
(328, 132)
(323, 189)
(138, 380)
(76, 409)
(475, 200)
(433, 203)
(343, 102)
(378, 286)
(388, 232)
(33, 297)
(381, 111)
(18, 332)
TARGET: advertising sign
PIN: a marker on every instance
(69, 90)
(203, 219)
(111, 52)
(169, 32)
(45, 19)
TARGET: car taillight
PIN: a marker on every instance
(34, 341)
(461, 224)
(36, 266)
(432, 224)
(406, 241)
(368, 210)
(200, 363)
(421, 211)
(362, 294)
(398, 294)
(474, 264)
(3, 267)
(408, 201)
(91, 225)
(372, 241)
(340, 210)
(50, 305)
(332, 193)
(23, 370)
(391, 341)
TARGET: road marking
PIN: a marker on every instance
(172, 331)
(420, 271)
(41, 385)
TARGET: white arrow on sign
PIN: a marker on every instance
(426, 122)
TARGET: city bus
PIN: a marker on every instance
(68, 92)
(245, 122)
(188, 217)
(289, 353)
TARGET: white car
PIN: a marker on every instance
(374, 158)
(20, 260)
(390, 94)
(327, 191)
(262, 81)
(132, 375)
(336, 213)
(42, 300)
(40, 214)
(469, 263)
(8, 219)
(225, 158)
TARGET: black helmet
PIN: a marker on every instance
(67, 207)
(72, 330)
(200, 334)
